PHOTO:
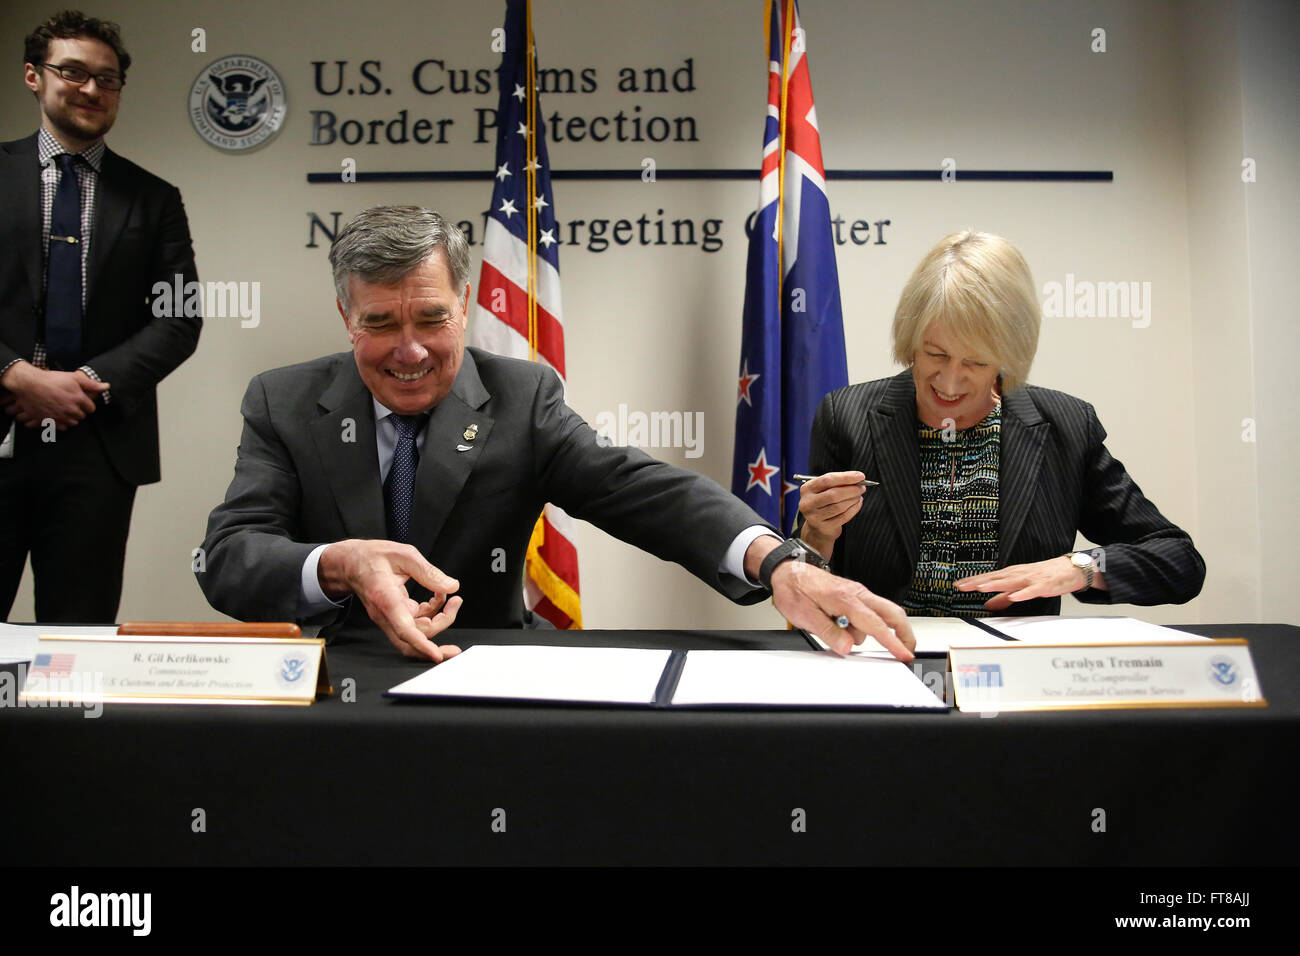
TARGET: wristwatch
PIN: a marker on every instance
(792, 549)
(1086, 563)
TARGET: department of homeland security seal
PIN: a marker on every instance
(1223, 670)
(237, 103)
(291, 669)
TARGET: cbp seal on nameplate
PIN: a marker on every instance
(1223, 671)
(237, 103)
(291, 669)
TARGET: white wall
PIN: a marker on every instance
(1269, 37)
(992, 85)
(1221, 383)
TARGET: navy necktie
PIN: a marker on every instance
(63, 275)
(399, 486)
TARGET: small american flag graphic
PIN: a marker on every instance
(53, 665)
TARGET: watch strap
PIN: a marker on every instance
(1087, 569)
(792, 549)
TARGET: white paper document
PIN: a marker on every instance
(1050, 629)
(630, 676)
(934, 635)
(16, 648)
(18, 641)
(799, 679)
(614, 675)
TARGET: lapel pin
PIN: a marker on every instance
(469, 434)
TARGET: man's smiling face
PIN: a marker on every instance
(76, 115)
(408, 338)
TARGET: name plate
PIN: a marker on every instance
(176, 670)
(1013, 676)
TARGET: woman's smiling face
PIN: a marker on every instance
(951, 383)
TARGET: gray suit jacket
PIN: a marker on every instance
(1055, 478)
(307, 473)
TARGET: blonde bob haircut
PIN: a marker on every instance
(978, 287)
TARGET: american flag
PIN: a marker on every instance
(792, 343)
(518, 311)
(53, 665)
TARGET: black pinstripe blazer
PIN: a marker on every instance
(1055, 478)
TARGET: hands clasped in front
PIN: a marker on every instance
(36, 395)
(377, 572)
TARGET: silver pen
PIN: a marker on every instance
(864, 483)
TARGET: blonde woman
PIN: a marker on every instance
(982, 480)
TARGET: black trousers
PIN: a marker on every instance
(63, 503)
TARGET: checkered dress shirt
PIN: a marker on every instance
(47, 147)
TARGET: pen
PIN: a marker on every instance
(865, 483)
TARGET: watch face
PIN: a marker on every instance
(1081, 559)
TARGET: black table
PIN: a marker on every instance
(377, 781)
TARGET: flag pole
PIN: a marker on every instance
(787, 30)
(531, 169)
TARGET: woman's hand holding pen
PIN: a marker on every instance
(828, 502)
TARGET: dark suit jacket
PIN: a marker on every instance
(307, 473)
(140, 237)
(1055, 478)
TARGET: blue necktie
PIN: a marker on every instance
(63, 275)
(399, 486)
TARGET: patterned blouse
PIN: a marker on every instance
(959, 517)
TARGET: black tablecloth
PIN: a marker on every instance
(378, 781)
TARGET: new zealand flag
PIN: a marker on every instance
(792, 345)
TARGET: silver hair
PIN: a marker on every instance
(385, 244)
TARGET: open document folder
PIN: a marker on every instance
(637, 677)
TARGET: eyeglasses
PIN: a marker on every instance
(78, 77)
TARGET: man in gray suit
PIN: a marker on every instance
(414, 459)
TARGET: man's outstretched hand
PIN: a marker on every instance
(377, 572)
(813, 599)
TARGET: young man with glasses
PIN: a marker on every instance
(84, 236)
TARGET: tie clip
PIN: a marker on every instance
(71, 240)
